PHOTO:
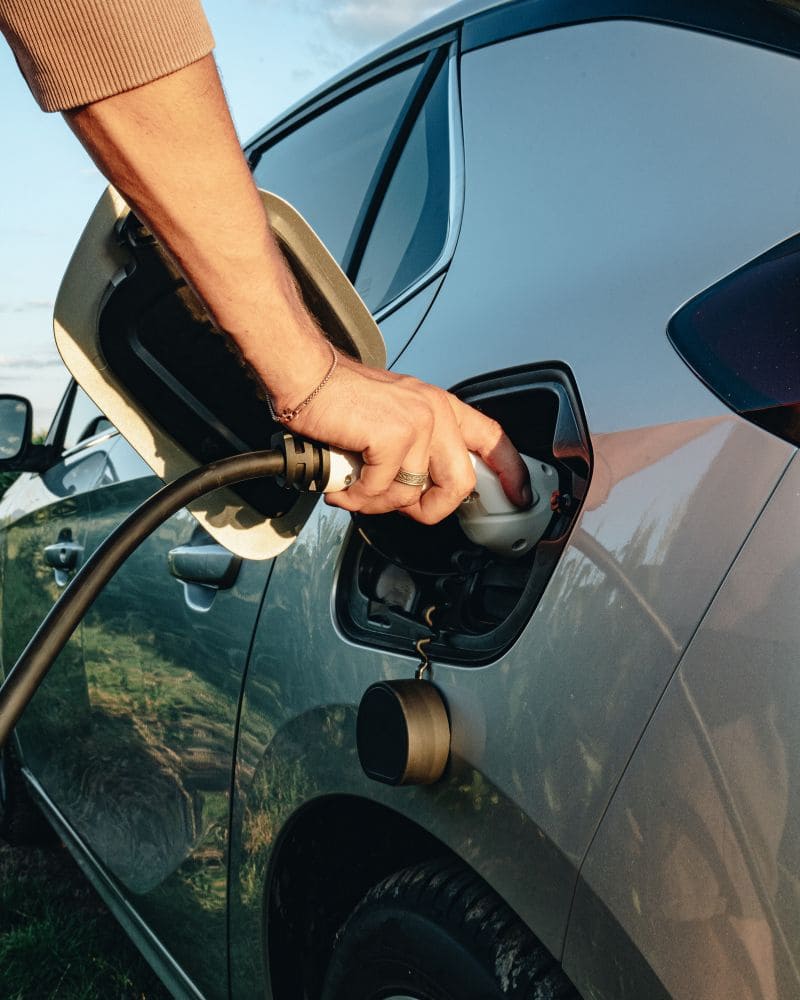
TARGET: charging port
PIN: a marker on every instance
(394, 569)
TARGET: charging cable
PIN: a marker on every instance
(487, 517)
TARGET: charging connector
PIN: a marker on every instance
(490, 519)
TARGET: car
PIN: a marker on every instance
(581, 217)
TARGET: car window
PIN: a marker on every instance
(324, 167)
(411, 225)
(85, 420)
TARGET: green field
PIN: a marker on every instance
(57, 939)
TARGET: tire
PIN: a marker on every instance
(436, 931)
(21, 822)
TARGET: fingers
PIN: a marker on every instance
(451, 472)
(377, 490)
(397, 422)
(452, 478)
(485, 437)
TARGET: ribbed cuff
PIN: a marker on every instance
(74, 52)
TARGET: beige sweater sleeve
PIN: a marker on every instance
(74, 52)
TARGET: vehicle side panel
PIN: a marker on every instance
(164, 671)
(604, 187)
(36, 512)
(600, 194)
(697, 860)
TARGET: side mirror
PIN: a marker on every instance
(17, 452)
(15, 430)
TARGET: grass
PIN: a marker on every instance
(57, 938)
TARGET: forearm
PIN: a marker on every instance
(171, 150)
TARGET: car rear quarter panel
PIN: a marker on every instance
(697, 858)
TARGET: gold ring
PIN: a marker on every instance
(411, 478)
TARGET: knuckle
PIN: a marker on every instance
(369, 491)
(436, 398)
(420, 416)
(460, 486)
(493, 429)
(456, 493)
(429, 517)
(407, 499)
(468, 484)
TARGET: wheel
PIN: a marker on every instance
(436, 931)
(21, 822)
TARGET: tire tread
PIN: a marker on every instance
(449, 894)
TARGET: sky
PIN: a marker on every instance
(270, 53)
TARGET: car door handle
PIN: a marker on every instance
(63, 555)
(209, 565)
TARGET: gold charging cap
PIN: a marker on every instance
(403, 732)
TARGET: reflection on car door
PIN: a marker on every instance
(165, 656)
(46, 519)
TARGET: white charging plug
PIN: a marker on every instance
(490, 519)
(345, 468)
(487, 516)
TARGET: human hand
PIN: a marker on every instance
(396, 421)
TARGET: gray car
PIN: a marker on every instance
(580, 216)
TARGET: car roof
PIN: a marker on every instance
(774, 23)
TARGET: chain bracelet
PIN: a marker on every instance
(287, 416)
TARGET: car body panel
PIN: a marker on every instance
(704, 825)
(553, 725)
(628, 214)
(37, 511)
(401, 324)
(544, 733)
(150, 783)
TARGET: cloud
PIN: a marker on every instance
(28, 305)
(374, 21)
(7, 362)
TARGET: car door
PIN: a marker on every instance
(46, 518)
(165, 649)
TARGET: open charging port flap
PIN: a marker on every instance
(394, 569)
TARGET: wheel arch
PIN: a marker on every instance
(302, 804)
(330, 853)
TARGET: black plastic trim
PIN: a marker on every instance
(31, 457)
(741, 338)
(343, 89)
(393, 150)
(18, 460)
(769, 23)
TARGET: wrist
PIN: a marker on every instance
(284, 412)
(287, 354)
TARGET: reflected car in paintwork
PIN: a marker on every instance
(580, 216)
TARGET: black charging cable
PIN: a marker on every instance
(297, 463)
